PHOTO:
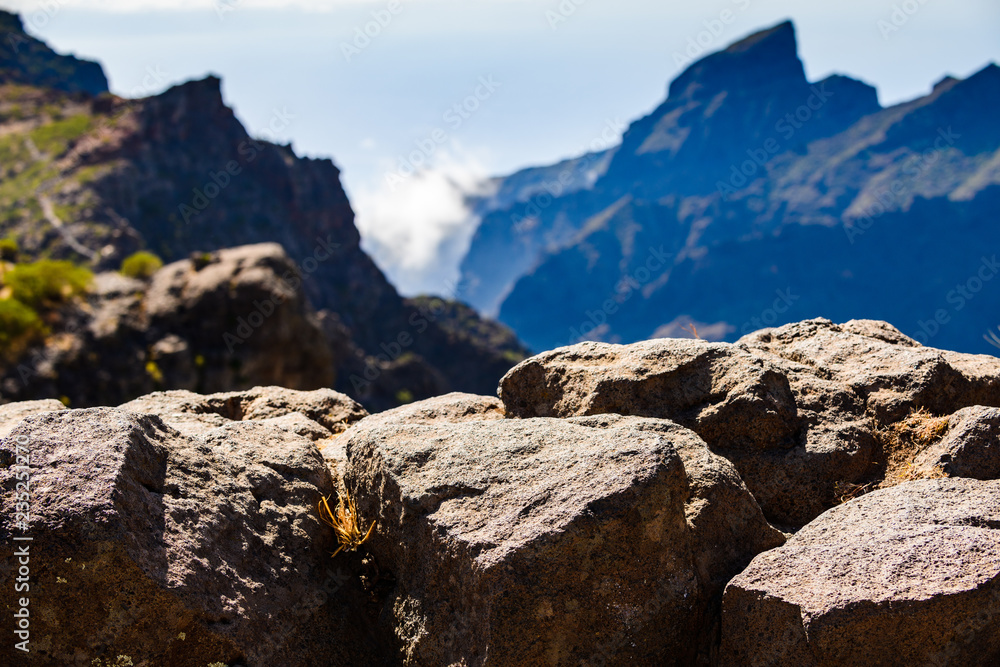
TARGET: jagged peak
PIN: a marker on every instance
(779, 36)
(206, 93)
(761, 58)
(947, 80)
(10, 22)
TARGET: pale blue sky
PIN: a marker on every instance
(560, 83)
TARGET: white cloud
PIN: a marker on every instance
(419, 232)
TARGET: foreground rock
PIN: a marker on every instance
(178, 550)
(12, 414)
(600, 540)
(903, 576)
(970, 448)
(791, 407)
(323, 411)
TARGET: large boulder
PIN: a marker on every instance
(969, 448)
(328, 411)
(599, 540)
(797, 409)
(723, 392)
(890, 373)
(11, 414)
(231, 319)
(176, 550)
(902, 576)
(449, 408)
(244, 312)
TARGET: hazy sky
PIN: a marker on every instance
(557, 73)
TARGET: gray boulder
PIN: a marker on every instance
(599, 540)
(902, 576)
(11, 414)
(177, 550)
(791, 407)
(325, 410)
(970, 448)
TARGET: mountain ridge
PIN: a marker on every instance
(735, 155)
(94, 179)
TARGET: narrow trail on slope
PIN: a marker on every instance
(50, 211)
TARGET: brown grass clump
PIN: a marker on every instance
(344, 522)
(903, 441)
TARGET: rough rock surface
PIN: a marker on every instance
(890, 373)
(11, 414)
(553, 541)
(178, 550)
(970, 448)
(450, 408)
(331, 411)
(791, 407)
(903, 576)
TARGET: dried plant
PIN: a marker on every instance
(344, 522)
(903, 441)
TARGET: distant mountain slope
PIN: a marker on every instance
(97, 178)
(26, 60)
(508, 240)
(752, 197)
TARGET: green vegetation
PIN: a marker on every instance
(513, 356)
(404, 396)
(141, 265)
(55, 138)
(27, 290)
(8, 250)
(47, 283)
(20, 327)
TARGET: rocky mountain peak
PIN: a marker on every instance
(763, 59)
(27, 61)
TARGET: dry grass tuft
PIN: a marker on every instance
(344, 522)
(903, 441)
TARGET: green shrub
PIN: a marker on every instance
(20, 326)
(141, 265)
(47, 282)
(8, 250)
